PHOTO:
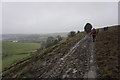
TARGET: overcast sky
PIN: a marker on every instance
(52, 17)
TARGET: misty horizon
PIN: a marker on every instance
(56, 17)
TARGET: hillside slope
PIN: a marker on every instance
(108, 53)
(73, 63)
(76, 57)
(29, 66)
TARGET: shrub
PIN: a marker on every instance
(71, 34)
(88, 28)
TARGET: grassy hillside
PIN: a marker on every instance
(107, 56)
(27, 67)
(12, 51)
(107, 47)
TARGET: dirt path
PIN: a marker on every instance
(77, 63)
(92, 65)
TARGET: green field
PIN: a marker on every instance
(13, 51)
(0, 56)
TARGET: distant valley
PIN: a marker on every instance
(30, 37)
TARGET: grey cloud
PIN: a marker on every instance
(32, 17)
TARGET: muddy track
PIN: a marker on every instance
(79, 62)
(91, 73)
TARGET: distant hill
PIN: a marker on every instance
(30, 37)
(0, 37)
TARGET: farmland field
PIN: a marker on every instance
(13, 51)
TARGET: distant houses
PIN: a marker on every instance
(14, 41)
